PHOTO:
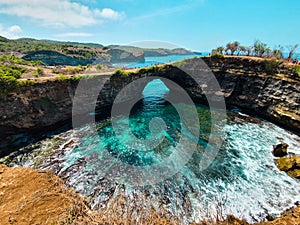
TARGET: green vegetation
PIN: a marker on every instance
(292, 49)
(179, 63)
(11, 59)
(99, 67)
(26, 83)
(120, 73)
(258, 49)
(232, 47)
(11, 84)
(271, 66)
(38, 72)
(296, 69)
(7, 84)
(55, 71)
(73, 49)
(63, 77)
(217, 56)
(150, 69)
(74, 70)
(12, 71)
(24, 45)
(80, 52)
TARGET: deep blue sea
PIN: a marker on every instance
(151, 61)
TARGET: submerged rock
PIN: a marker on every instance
(280, 150)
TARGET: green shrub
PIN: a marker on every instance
(8, 84)
(296, 69)
(55, 71)
(149, 69)
(77, 77)
(11, 59)
(217, 56)
(99, 67)
(271, 66)
(13, 71)
(26, 83)
(120, 73)
(180, 63)
(61, 77)
(74, 70)
(38, 72)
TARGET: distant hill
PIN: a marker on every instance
(73, 53)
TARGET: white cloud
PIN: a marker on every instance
(74, 35)
(58, 13)
(12, 32)
(109, 14)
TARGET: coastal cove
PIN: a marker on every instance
(262, 111)
(245, 84)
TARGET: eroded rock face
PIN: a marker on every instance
(244, 84)
(120, 55)
(280, 150)
(291, 165)
(52, 58)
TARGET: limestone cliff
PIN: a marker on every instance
(121, 55)
(244, 84)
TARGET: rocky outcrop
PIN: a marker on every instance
(165, 52)
(280, 150)
(246, 84)
(52, 58)
(120, 55)
(290, 165)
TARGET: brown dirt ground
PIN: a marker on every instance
(29, 196)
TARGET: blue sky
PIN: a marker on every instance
(194, 24)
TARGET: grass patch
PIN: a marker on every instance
(121, 73)
(63, 77)
(12, 71)
(149, 69)
(23, 83)
(296, 69)
(271, 66)
(11, 59)
(180, 63)
(217, 56)
(38, 72)
(7, 84)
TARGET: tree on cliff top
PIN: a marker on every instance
(292, 49)
(278, 52)
(232, 47)
(260, 48)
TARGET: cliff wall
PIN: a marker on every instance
(244, 83)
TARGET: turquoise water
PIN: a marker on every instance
(151, 61)
(243, 180)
